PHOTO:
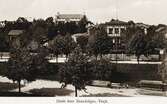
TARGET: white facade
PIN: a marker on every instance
(115, 31)
(68, 18)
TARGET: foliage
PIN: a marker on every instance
(62, 45)
(101, 44)
(57, 45)
(82, 41)
(101, 69)
(138, 44)
(25, 65)
(4, 44)
(73, 27)
(82, 25)
(68, 45)
(51, 28)
(75, 70)
(128, 35)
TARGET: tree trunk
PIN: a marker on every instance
(76, 94)
(96, 57)
(19, 85)
(116, 58)
(57, 58)
(66, 56)
(138, 59)
(101, 56)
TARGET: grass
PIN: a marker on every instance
(50, 92)
(17, 94)
(5, 89)
(8, 86)
(150, 92)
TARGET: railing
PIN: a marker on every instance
(4, 56)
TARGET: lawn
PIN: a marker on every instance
(150, 92)
(105, 95)
(17, 94)
(51, 92)
(5, 86)
(5, 90)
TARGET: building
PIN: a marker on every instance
(75, 36)
(114, 29)
(14, 36)
(2, 24)
(162, 29)
(63, 18)
(143, 26)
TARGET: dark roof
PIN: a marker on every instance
(116, 22)
(15, 32)
(142, 25)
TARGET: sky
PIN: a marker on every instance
(98, 11)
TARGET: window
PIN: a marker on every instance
(122, 30)
(116, 30)
(110, 30)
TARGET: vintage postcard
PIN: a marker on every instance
(83, 51)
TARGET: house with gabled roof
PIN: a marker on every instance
(14, 37)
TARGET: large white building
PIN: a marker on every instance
(63, 18)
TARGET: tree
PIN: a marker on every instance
(22, 23)
(4, 47)
(38, 34)
(24, 65)
(68, 45)
(146, 44)
(82, 24)
(100, 44)
(127, 35)
(101, 69)
(51, 28)
(49, 21)
(75, 71)
(57, 45)
(137, 44)
(82, 41)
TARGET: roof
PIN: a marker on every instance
(142, 25)
(74, 36)
(116, 22)
(70, 16)
(161, 29)
(15, 32)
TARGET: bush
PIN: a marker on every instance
(3, 67)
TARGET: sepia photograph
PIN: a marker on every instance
(83, 48)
